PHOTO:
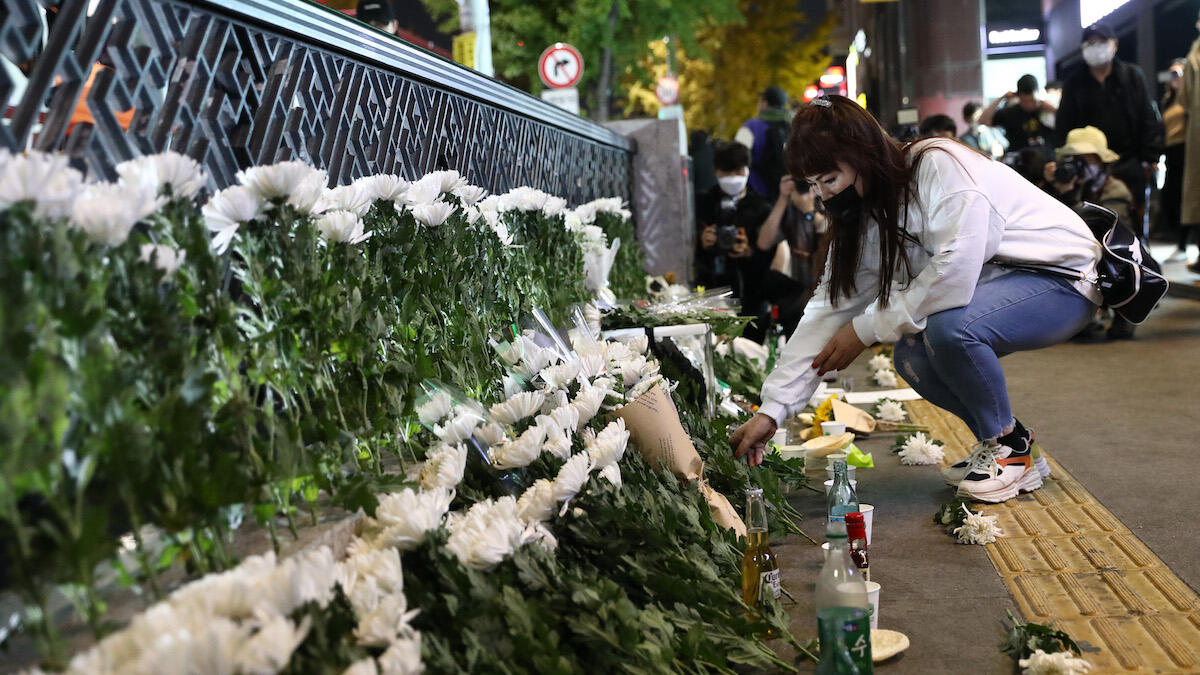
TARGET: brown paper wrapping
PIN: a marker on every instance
(722, 511)
(653, 424)
(855, 419)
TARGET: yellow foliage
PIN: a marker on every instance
(719, 88)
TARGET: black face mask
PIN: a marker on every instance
(846, 206)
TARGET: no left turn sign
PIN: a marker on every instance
(560, 66)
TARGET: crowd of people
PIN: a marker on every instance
(1097, 137)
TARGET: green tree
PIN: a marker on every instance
(719, 83)
(614, 36)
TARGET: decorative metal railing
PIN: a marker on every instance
(235, 83)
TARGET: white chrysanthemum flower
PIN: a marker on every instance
(537, 503)
(644, 386)
(557, 443)
(587, 403)
(614, 205)
(163, 257)
(353, 197)
(525, 199)
(572, 221)
(537, 533)
(880, 362)
(381, 625)
(487, 533)
(42, 178)
(283, 179)
(342, 227)
(633, 371)
(491, 433)
(433, 215)
(420, 193)
(1058, 663)
(638, 345)
(437, 407)
(496, 223)
(609, 445)
(270, 649)
(403, 656)
(572, 476)
(885, 378)
(107, 212)
(364, 667)
(978, 528)
(177, 175)
(554, 400)
(520, 452)
(592, 365)
(307, 576)
(586, 213)
(891, 411)
(406, 516)
(612, 473)
(518, 407)
(445, 181)
(553, 206)
(513, 384)
(618, 352)
(444, 467)
(920, 449)
(558, 377)
(469, 194)
(592, 239)
(459, 428)
(492, 204)
(227, 210)
(566, 417)
(383, 187)
(537, 358)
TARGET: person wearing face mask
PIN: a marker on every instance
(1114, 97)
(955, 258)
(728, 217)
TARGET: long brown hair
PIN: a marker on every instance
(823, 135)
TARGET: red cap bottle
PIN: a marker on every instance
(856, 533)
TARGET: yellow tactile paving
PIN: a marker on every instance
(1067, 559)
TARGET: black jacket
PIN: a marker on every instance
(1081, 100)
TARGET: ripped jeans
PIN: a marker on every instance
(955, 362)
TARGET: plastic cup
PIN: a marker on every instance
(781, 437)
(873, 600)
(849, 472)
(825, 551)
(868, 511)
(833, 428)
(853, 484)
(833, 459)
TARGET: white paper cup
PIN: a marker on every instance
(868, 511)
(873, 600)
(825, 551)
(833, 428)
(780, 437)
(830, 460)
(829, 486)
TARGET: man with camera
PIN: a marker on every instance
(728, 217)
(1083, 173)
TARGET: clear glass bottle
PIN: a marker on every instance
(842, 604)
(842, 497)
(760, 570)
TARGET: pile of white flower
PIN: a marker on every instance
(1058, 663)
(920, 449)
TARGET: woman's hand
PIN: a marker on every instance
(750, 439)
(840, 351)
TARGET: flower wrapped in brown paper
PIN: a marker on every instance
(653, 424)
(856, 420)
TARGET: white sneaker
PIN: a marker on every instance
(955, 473)
(1000, 475)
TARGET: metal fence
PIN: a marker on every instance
(237, 83)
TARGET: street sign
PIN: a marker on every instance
(560, 66)
(667, 90)
(567, 99)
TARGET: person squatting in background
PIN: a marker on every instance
(1082, 174)
(764, 137)
(728, 217)
(924, 237)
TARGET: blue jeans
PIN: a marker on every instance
(955, 362)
